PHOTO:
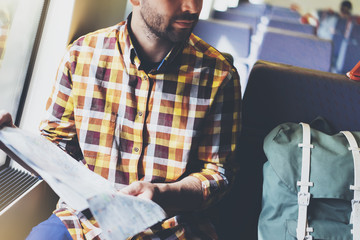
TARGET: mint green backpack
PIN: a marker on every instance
(309, 190)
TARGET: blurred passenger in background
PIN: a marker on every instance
(326, 20)
(330, 20)
(4, 29)
(345, 9)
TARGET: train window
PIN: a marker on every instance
(221, 5)
(256, 1)
(19, 27)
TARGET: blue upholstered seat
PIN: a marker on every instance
(239, 17)
(257, 10)
(291, 25)
(283, 12)
(229, 37)
(226, 36)
(298, 49)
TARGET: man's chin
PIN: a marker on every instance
(180, 35)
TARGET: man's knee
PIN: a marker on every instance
(52, 228)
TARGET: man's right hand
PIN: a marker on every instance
(6, 119)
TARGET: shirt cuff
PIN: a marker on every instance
(214, 186)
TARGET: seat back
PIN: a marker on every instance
(284, 12)
(291, 25)
(349, 53)
(226, 36)
(278, 93)
(238, 17)
(252, 9)
(298, 49)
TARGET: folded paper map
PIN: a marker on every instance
(119, 216)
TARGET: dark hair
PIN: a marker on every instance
(346, 4)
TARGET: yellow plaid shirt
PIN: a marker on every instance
(180, 119)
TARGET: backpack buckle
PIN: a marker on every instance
(303, 198)
(355, 203)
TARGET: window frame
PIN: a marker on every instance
(34, 11)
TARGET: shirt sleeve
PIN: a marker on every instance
(58, 124)
(218, 141)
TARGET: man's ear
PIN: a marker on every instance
(135, 2)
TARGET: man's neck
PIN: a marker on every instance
(152, 48)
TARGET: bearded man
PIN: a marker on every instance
(150, 106)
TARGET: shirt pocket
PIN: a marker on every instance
(95, 130)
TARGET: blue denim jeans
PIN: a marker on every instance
(52, 228)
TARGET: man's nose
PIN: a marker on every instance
(192, 6)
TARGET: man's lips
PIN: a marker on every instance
(184, 23)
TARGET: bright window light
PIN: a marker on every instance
(221, 5)
(206, 9)
(233, 3)
(19, 21)
(256, 1)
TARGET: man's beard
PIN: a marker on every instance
(156, 24)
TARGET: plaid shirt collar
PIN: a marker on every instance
(131, 56)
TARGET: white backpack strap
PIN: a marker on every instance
(355, 214)
(303, 231)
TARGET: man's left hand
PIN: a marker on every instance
(184, 195)
(144, 190)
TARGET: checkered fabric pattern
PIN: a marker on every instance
(127, 125)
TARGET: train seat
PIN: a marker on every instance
(298, 49)
(238, 17)
(278, 93)
(284, 12)
(291, 25)
(229, 37)
(226, 36)
(253, 9)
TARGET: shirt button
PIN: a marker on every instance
(113, 118)
(140, 114)
(136, 149)
(145, 78)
